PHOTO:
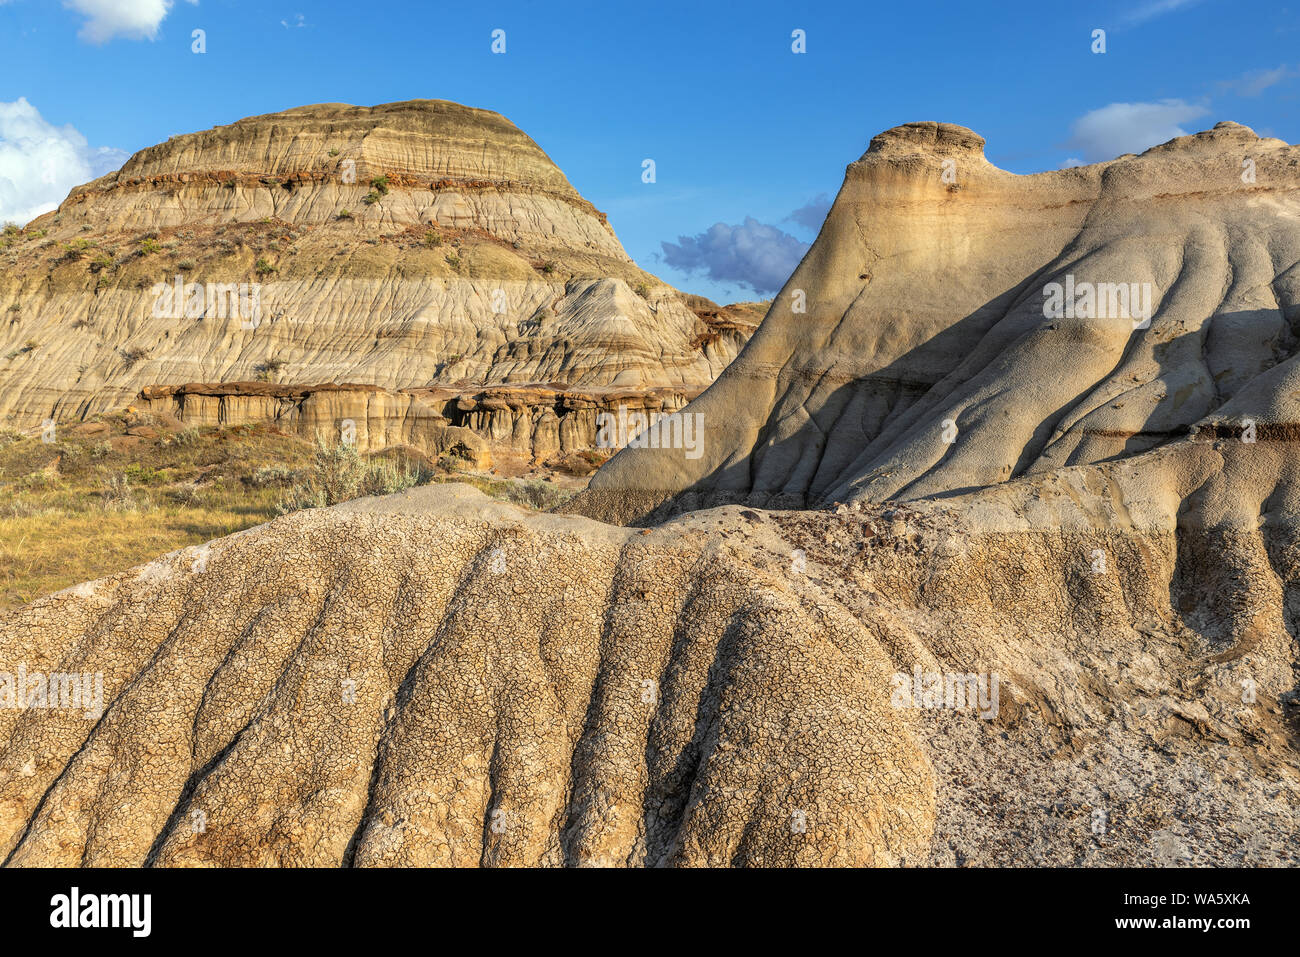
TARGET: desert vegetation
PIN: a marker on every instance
(124, 488)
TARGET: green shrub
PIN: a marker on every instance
(138, 474)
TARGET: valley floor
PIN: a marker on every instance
(124, 488)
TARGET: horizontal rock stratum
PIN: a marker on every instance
(408, 245)
(1086, 658)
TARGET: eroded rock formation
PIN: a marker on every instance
(403, 246)
(431, 678)
(924, 363)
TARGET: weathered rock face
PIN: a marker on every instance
(401, 247)
(925, 364)
(729, 688)
(593, 695)
(538, 422)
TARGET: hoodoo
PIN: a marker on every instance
(932, 358)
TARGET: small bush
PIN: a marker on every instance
(270, 367)
(380, 184)
(118, 495)
(74, 250)
(270, 476)
(338, 473)
(148, 246)
(138, 474)
(133, 355)
(371, 198)
(453, 261)
(540, 495)
(432, 239)
(344, 214)
(264, 267)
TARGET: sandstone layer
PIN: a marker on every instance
(541, 423)
(403, 246)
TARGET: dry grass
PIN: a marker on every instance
(126, 488)
(43, 553)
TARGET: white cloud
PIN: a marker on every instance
(133, 19)
(1130, 127)
(1071, 162)
(40, 162)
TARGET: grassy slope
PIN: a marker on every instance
(125, 488)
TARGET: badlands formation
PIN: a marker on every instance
(917, 479)
(398, 265)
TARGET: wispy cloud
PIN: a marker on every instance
(1120, 128)
(1256, 82)
(1154, 8)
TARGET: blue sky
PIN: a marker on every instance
(744, 132)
